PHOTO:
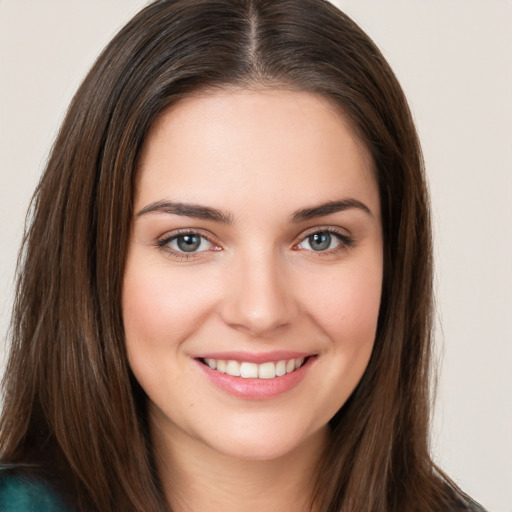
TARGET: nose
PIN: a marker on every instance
(258, 296)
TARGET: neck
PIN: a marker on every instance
(197, 478)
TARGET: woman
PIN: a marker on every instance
(225, 295)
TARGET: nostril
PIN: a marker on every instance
(258, 301)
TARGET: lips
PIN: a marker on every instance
(256, 376)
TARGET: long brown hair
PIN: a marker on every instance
(72, 409)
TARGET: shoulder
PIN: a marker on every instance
(20, 492)
(470, 505)
(475, 507)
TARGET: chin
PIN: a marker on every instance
(264, 445)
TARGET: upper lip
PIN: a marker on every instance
(255, 357)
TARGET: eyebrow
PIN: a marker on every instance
(187, 210)
(328, 208)
(216, 215)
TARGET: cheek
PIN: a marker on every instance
(345, 307)
(346, 304)
(161, 306)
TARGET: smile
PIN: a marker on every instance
(256, 376)
(250, 370)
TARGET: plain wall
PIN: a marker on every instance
(454, 60)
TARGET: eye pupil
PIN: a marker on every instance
(320, 241)
(188, 243)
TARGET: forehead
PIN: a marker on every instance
(271, 147)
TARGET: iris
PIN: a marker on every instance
(188, 243)
(320, 241)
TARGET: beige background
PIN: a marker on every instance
(454, 60)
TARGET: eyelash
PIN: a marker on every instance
(345, 242)
(163, 244)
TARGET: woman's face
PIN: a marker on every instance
(256, 250)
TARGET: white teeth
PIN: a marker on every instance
(267, 371)
(211, 363)
(248, 370)
(233, 368)
(280, 368)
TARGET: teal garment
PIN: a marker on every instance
(476, 507)
(26, 494)
(22, 493)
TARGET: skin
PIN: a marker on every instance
(255, 284)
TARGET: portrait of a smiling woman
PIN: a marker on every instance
(224, 297)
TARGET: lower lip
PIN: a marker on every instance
(256, 389)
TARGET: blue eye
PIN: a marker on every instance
(320, 241)
(323, 241)
(187, 243)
